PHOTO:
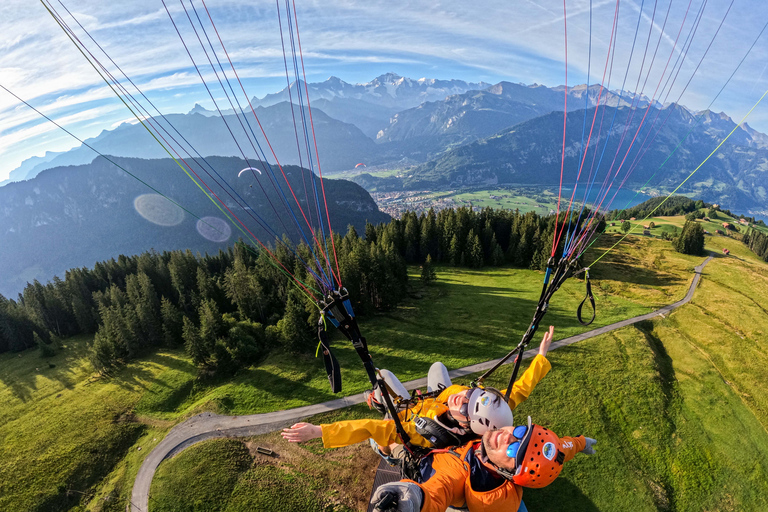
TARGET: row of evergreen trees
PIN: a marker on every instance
(757, 243)
(230, 309)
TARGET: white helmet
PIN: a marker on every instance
(487, 411)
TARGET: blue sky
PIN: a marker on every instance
(514, 40)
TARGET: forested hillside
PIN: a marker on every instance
(75, 216)
(229, 309)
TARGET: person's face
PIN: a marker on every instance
(500, 446)
(458, 404)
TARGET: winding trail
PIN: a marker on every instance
(210, 426)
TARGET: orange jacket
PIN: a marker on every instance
(458, 479)
(345, 433)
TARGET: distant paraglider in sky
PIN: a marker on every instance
(248, 169)
(360, 165)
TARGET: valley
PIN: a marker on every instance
(630, 388)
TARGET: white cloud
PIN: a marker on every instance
(495, 40)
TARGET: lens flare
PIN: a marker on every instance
(214, 229)
(158, 210)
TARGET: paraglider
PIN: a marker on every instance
(359, 165)
(248, 169)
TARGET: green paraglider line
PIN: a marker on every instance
(305, 287)
(686, 179)
(129, 173)
(107, 158)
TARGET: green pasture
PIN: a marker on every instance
(673, 225)
(71, 441)
(503, 198)
(678, 406)
(62, 430)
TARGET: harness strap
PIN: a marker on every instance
(435, 433)
(332, 367)
(338, 309)
(589, 297)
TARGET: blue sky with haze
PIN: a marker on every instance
(491, 41)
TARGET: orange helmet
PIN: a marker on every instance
(539, 458)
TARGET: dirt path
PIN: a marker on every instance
(210, 426)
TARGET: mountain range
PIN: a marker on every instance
(434, 133)
(75, 216)
(528, 154)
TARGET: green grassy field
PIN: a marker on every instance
(502, 198)
(71, 441)
(678, 406)
(62, 430)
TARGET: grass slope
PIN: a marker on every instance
(70, 441)
(678, 404)
(230, 475)
(62, 431)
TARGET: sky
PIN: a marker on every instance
(514, 40)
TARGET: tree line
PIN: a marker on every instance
(230, 309)
(757, 243)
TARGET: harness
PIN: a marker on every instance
(337, 309)
(555, 276)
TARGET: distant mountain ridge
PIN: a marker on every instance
(75, 216)
(529, 154)
(393, 122)
(464, 118)
(344, 145)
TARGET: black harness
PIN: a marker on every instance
(337, 309)
(555, 276)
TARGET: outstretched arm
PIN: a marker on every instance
(344, 433)
(538, 369)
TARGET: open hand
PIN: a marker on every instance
(302, 431)
(546, 341)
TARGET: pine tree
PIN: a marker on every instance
(428, 273)
(193, 343)
(172, 323)
(455, 251)
(370, 233)
(430, 239)
(412, 237)
(474, 254)
(691, 239)
(211, 325)
(296, 331)
(46, 349)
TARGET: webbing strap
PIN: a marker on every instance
(331, 364)
(591, 299)
(338, 309)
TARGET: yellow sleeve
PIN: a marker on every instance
(523, 387)
(383, 432)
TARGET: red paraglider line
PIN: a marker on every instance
(277, 161)
(314, 139)
(556, 239)
(174, 149)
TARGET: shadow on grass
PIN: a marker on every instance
(289, 389)
(21, 379)
(558, 496)
(135, 376)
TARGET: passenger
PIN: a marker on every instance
(485, 475)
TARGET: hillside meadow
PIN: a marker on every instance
(678, 406)
(74, 441)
